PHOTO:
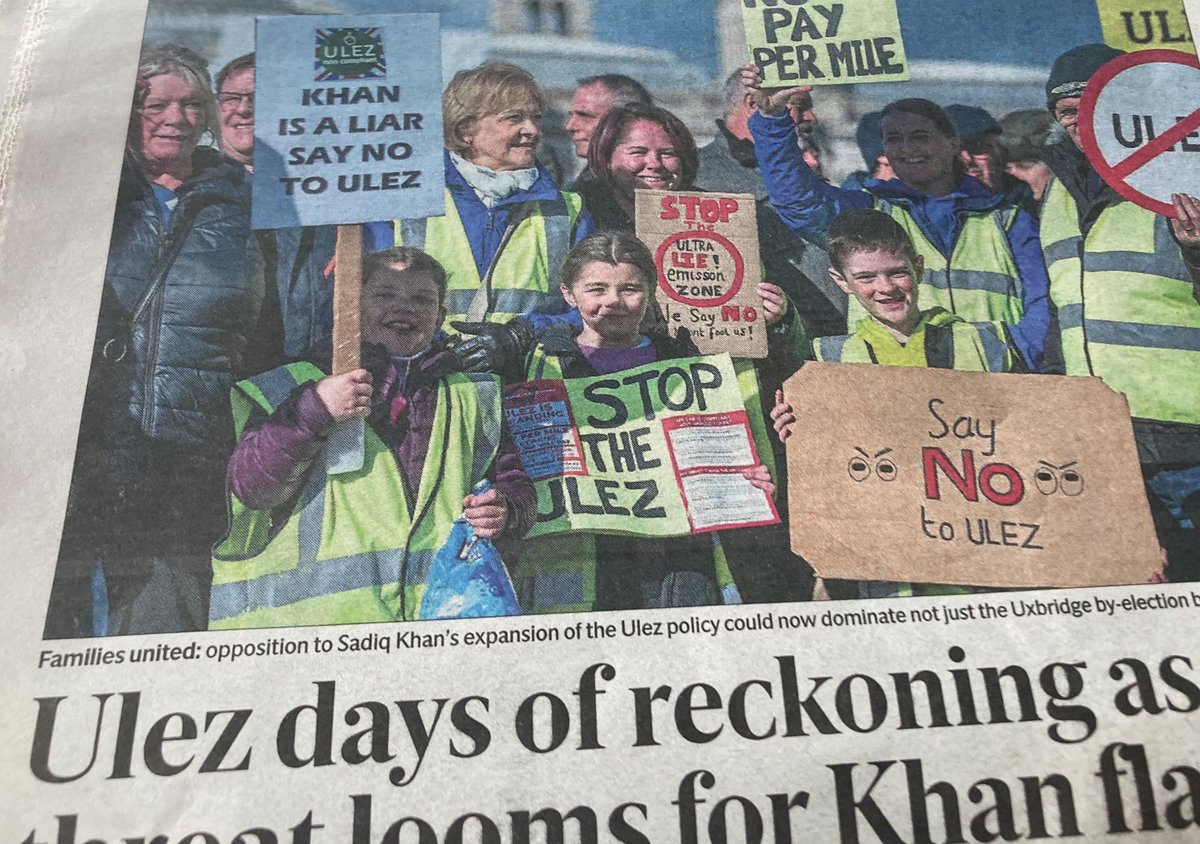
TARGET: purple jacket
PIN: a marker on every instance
(269, 465)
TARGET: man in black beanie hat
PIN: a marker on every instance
(1124, 281)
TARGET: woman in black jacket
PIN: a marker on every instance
(178, 325)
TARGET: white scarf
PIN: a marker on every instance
(490, 185)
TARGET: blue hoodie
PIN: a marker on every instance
(808, 205)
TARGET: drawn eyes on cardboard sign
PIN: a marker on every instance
(1050, 479)
(863, 465)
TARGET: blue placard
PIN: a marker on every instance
(348, 124)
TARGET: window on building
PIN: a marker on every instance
(570, 18)
(558, 19)
(533, 16)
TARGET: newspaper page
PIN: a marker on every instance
(957, 604)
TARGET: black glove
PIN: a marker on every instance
(498, 347)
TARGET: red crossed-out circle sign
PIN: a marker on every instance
(1140, 126)
(702, 292)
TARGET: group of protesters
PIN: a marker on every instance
(200, 497)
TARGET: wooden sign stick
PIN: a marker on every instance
(347, 295)
(346, 444)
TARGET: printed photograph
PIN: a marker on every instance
(440, 309)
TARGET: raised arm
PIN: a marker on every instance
(803, 201)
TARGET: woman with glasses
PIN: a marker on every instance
(507, 226)
(178, 316)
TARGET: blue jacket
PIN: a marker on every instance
(808, 205)
(485, 227)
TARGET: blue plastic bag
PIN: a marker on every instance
(467, 578)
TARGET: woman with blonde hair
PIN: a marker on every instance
(507, 226)
(178, 325)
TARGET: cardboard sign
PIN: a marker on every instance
(936, 476)
(706, 248)
(800, 43)
(1145, 147)
(1145, 25)
(348, 125)
(653, 451)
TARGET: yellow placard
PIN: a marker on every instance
(825, 43)
(657, 450)
(1145, 25)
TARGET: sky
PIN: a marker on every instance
(1025, 32)
(1019, 32)
(1028, 32)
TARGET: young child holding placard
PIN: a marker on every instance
(873, 260)
(610, 278)
(310, 547)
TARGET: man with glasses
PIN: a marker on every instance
(235, 99)
(1124, 282)
(299, 305)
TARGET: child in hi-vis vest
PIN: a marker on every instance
(610, 278)
(309, 546)
(873, 260)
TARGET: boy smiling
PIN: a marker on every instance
(873, 260)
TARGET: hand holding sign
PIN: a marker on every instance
(760, 478)
(774, 302)
(782, 417)
(775, 101)
(350, 138)
(1186, 223)
(346, 396)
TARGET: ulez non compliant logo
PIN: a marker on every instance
(354, 53)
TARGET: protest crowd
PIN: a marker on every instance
(200, 498)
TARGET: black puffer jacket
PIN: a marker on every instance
(179, 315)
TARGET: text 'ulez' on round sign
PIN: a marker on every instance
(699, 268)
(1139, 121)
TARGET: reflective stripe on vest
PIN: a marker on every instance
(1126, 305)
(980, 283)
(523, 276)
(959, 345)
(352, 550)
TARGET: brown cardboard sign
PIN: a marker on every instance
(936, 476)
(706, 248)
